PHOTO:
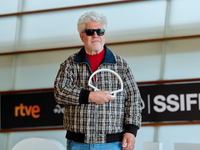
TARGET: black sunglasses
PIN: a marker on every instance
(90, 32)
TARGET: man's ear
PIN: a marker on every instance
(81, 36)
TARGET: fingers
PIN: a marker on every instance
(100, 97)
(109, 97)
(128, 146)
(106, 96)
(106, 92)
(128, 142)
(124, 142)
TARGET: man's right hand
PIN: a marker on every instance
(100, 97)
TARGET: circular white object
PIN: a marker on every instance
(38, 144)
(113, 93)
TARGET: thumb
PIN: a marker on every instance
(107, 92)
(124, 142)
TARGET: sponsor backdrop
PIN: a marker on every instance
(161, 103)
(171, 103)
(30, 110)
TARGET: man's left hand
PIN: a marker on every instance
(130, 140)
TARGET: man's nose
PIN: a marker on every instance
(95, 34)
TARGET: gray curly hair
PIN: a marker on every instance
(90, 17)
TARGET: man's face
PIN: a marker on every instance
(93, 44)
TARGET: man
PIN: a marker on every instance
(94, 119)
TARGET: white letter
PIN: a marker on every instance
(182, 102)
(160, 103)
(190, 101)
(170, 99)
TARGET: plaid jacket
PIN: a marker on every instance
(89, 122)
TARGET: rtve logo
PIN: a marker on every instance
(27, 111)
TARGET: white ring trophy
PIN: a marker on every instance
(113, 93)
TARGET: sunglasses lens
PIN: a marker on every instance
(100, 32)
(90, 32)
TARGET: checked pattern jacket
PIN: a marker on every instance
(94, 121)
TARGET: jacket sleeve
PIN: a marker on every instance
(133, 117)
(66, 88)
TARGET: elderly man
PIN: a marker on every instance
(95, 120)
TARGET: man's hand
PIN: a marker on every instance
(130, 140)
(100, 97)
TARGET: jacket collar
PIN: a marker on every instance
(108, 58)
